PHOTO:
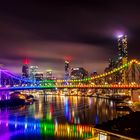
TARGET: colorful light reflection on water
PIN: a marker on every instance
(55, 117)
(14, 127)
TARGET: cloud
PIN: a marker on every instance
(85, 31)
(51, 55)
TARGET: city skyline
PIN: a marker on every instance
(48, 32)
(69, 69)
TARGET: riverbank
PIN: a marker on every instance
(127, 126)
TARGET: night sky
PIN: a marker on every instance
(83, 30)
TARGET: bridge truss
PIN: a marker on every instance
(124, 76)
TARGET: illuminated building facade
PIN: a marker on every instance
(122, 55)
(78, 73)
(122, 49)
(122, 58)
(33, 70)
(49, 74)
(39, 76)
(67, 69)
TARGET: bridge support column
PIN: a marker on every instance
(135, 95)
(131, 94)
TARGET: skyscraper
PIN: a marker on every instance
(67, 69)
(33, 70)
(49, 74)
(120, 59)
(25, 71)
(78, 73)
(39, 76)
(25, 68)
(122, 48)
(122, 56)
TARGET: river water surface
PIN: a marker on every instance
(54, 117)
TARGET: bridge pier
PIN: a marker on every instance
(135, 95)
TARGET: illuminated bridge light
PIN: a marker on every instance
(53, 83)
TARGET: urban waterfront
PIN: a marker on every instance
(56, 117)
(69, 70)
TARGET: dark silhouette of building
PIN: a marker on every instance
(25, 68)
(25, 71)
(120, 59)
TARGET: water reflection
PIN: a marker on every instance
(17, 127)
(55, 117)
(4, 95)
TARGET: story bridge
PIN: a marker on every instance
(126, 76)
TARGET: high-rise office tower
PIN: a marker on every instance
(33, 70)
(78, 73)
(49, 74)
(122, 56)
(25, 68)
(67, 69)
(39, 76)
(122, 48)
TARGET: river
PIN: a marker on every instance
(54, 117)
